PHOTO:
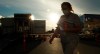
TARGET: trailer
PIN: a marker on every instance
(22, 27)
(37, 29)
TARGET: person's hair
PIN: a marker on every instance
(68, 5)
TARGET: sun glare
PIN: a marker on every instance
(54, 17)
(32, 17)
(52, 20)
(0, 16)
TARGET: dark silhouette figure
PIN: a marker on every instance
(69, 25)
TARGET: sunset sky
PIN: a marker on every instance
(48, 10)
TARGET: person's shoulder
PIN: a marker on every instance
(74, 14)
(62, 16)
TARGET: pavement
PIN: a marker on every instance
(47, 48)
(43, 47)
(56, 48)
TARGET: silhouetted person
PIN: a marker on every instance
(69, 25)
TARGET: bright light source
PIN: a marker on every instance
(52, 20)
(0, 17)
(32, 17)
(54, 17)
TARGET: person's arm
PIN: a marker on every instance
(54, 35)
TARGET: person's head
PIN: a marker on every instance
(66, 8)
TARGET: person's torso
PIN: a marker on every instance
(66, 19)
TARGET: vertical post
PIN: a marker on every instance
(24, 37)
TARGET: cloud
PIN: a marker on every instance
(87, 6)
(83, 6)
(10, 16)
(41, 8)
